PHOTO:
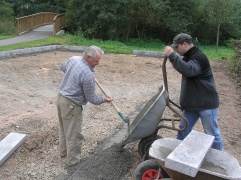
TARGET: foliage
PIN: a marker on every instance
(123, 20)
(236, 44)
(6, 10)
(115, 19)
(218, 12)
(144, 18)
(28, 7)
(7, 25)
(155, 19)
(95, 20)
(176, 18)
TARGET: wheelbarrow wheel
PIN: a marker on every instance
(145, 144)
(148, 170)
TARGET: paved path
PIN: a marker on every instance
(35, 34)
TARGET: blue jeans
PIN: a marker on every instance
(209, 120)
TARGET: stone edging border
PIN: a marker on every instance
(149, 53)
(28, 51)
(34, 50)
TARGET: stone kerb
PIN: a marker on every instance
(149, 53)
(41, 49)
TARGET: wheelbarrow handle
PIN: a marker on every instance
(164, 72)
(112, 103)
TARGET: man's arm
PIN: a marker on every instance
(63, 65)
(187, 69)
(90, 91)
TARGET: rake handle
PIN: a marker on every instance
(125, 119)
(102, 89)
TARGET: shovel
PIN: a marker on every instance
(125, 119)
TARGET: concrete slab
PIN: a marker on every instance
(9, 144)
(188, 156)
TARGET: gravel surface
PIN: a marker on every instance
(28, 91)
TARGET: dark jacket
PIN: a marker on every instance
(198, 90)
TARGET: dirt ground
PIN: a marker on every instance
(28, 89)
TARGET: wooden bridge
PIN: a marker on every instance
(27, 23)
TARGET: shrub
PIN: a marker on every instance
(237, 60)
(7, 27)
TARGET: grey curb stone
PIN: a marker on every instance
(30, 51)
(76, 48)
(149, 53)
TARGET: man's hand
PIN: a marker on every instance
(167, 51)
(108, 99)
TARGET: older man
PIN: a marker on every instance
(76, 89)
(199, 97)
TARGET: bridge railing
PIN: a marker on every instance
(30, 22)
(58, 22)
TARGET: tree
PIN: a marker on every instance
(177, 17)
(6, 10)
(218, 12)
(146, 17)
(7, 25)
(104, 21)
(28, 7)
(116, 19)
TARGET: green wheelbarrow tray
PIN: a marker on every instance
(217, 165)
(149, 120)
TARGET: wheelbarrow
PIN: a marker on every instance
(146, 124)
(217, 165)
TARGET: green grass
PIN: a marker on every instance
(42, 42)
(225, 54)
(116, 46)
(5, 37)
